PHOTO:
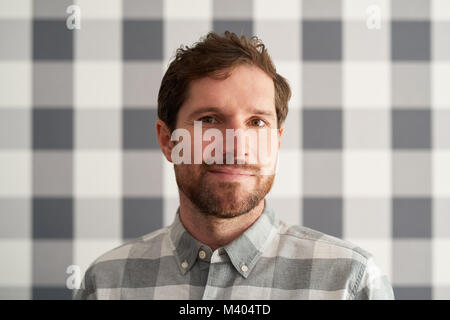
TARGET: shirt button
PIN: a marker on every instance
(244, 268)
(184, 264)
(202, 254)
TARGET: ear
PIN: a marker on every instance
(280, 133)
(165, 143)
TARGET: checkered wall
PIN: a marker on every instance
(365, 157)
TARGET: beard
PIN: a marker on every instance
(222, 199)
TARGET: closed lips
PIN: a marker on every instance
(232, 171)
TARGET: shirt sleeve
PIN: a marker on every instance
(87, 288)
(374, 284)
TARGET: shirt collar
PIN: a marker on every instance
(243, 252)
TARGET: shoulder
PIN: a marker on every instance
(319, 245)
(147, 246)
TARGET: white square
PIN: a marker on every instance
(170, 209)
(15, 173)
(367, 173)
(278, 10)
(100, 9)
(441, 262)
(11, 9)
(15, 84)
(86, 251)
(366, 85)
(441, 173)
(182, 32)
(440, 10)
(98, 173)
(170, 187)
(440, 80)
(98, 84)
(193, 9)
(288, 178)
(381, 249)
(269, 33)
(291, 70)
(15, 269)
(361, 10)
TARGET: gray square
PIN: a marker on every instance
(15, 218)
(412, 293)
(441, 44)
(324, 215)
(233, 9)
(240, 27)
(411, 85)
(322, 40)
(52, 173)
(141, 216)
(15, 293)
(52, 218)
(15, 39)
(15, 127)
(322, 129)
(142, 173)
(322, 174)
(322, 84)
(141, 84)
(410, 40)
(51, 8)
(142, 9)
(321, 9)
(98, 218)
(52, 40)
(98, 129)
(52, 129)
(411, 129)
(99, 40)
(143, 39)
(139, 129)
(135, 276)
(50, 262)
(52, 84)
(410, 9)
(364, 44)
(441, 134)
(441, 218)
(51, 293)
(411, 173)
(411, 217)
(412, 262)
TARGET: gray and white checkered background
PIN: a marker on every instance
(365, 157)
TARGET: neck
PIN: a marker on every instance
(213, 231)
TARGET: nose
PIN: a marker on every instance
(238, 144)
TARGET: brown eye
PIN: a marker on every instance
(257, 122)
(208, 119)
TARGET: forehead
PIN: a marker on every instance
(247, 86)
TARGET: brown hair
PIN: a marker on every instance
(216, 56)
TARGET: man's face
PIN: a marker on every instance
(245, 100)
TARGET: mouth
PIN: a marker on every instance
(231, 174)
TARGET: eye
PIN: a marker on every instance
(258, 122)
(208, 119)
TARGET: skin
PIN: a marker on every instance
(216, 206)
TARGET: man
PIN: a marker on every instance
(226, 242)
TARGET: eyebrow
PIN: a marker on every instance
(218, 110)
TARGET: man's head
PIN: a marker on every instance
(227, 83)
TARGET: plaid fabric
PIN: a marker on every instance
(365, 155)
(270, 260)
